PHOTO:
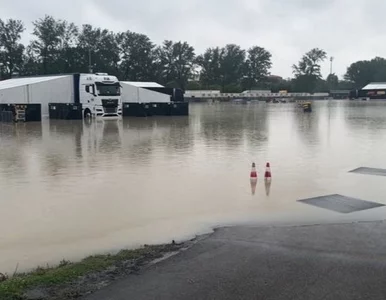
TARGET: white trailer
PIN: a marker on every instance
(99, 94)
(143, 92)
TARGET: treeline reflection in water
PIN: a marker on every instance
(57, 145)
(78, 187)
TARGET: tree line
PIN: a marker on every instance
(62, 47)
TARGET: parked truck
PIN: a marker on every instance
(97, 95)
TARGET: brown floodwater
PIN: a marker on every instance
(71, 189)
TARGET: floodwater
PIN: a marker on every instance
(71, 189)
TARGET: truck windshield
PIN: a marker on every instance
(108, 89)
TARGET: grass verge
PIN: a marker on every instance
(14, 288)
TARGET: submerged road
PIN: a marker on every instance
(343, 261)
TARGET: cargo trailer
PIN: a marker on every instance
(141, 92)
(144, 99)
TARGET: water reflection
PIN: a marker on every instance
(256, 126)
(23, 131)
(151, 180)
(111, 139)
(180, 137)
(71, 131)
(138, 137)
(220, 126)
(267, 184)
(308, 126)
(103, 136)
(167, 134)
(15, 140)
(253, 185)
(234, 125)
(367, 116)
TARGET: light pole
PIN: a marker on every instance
(331, 60)
(89, 61)
(1, 70)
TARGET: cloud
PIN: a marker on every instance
(348, 30)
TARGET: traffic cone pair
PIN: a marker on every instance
(267, 174)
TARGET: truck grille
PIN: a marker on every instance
(109, 102)
(110, 110)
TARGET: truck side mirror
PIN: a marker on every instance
(87, 87)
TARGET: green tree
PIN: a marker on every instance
(101, 47)
(11, 50)
(345, 85)
(307, 71)
(193, 85)
(176, 61)
(363, 72)
(378, 65)
(49, 33)
(257, 66)
(321, 86)
(231, 65)
(310, 63)
(68, 54)
(360, 73)
(30, 65)
(210, 63)
(332, 81)
(137, 56)
(279, 84)
(3, 71)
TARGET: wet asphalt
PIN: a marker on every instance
(329, 261)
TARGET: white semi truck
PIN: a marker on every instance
(99, 94)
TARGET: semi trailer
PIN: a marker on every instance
(144, 99)
(98, 95)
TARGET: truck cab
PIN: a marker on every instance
(100, 95)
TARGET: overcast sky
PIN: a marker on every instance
(348, 30)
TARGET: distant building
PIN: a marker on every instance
(320, 95)
(257, 92)
(374, 90)
(339, 94)
(202, 94)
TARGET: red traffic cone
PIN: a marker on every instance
(268, 175)
(253, 171)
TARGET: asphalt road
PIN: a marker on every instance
(346, 261)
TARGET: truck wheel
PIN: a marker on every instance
(87, 113)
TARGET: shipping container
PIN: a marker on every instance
(65, 111)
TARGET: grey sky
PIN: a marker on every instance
(349, 30)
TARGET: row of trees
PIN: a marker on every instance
(231, 68)
(61, 47)
(360, 73)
